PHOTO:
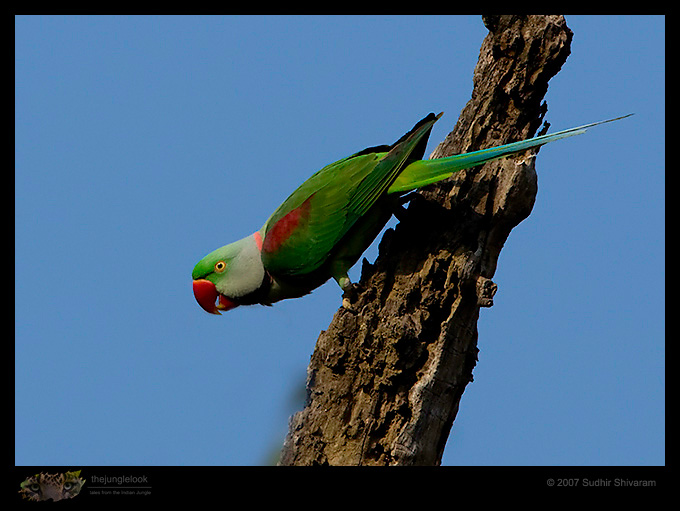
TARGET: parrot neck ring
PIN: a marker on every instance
(209, 299)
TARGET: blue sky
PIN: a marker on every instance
(142, 143)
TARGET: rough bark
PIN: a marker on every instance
(385, 380)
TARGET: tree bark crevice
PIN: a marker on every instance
(386, 378)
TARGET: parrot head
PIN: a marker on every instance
(229, 276)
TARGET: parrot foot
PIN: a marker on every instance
(407, 197)
(400, 211)
(350, 291)
(350, 295)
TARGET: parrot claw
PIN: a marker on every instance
(400, 211)
(350, 295)
(348, 290)
(409, 197)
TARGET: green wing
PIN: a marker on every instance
(304, 231)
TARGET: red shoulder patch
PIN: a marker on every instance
(286, 225)
(258, 240)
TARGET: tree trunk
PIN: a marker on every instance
(385, 380)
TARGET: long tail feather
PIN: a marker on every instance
(424, 172)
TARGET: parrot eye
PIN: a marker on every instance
(220, 266)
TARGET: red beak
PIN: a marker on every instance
(206, 294)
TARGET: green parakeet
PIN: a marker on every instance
(322, 229)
